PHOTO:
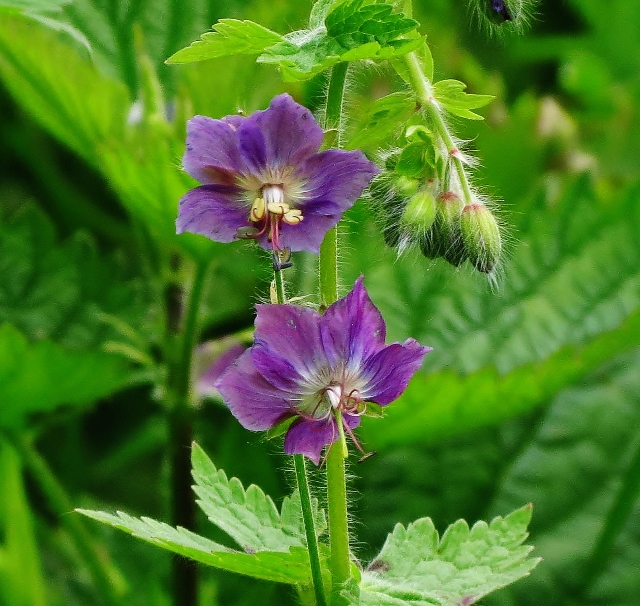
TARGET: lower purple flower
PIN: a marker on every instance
(312, 366)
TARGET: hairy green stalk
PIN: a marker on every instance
(305, 493)
(426, 96)
(328, 265)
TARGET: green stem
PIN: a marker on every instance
(305, 493)
(185, 580)
(106, 576)
(336, 476)
(424, 90)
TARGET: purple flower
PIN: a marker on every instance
(311, 366)
(263, 178)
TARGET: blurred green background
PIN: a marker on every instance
(532, 393)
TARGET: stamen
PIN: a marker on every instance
(278, 208)
(293, 216)
(334, 393)
(258, 210)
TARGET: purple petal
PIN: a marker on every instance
(310, 437)
(212, 154)
(252, 147)
(352, 329)
(217, 359)
(319, 218)
(389, 371)
(287, 346)
(215, 211)
(256, 403)
(337, 176)
(290, 132)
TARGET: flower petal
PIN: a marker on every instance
(310, 437)
(256, 403)
(212, 154)
(215, 211)
(308, 235)
(337, 176)
(389, 371)
(287, 344)
(352, 329)
(290, 132)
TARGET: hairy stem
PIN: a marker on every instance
(106, 576)
(182, 329)
(305, 493)
(424, 90)
(328, 265)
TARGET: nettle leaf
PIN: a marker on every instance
(384, 117)
(274, 546)
(42, 376)
(580, 464)
(60, 290)
(229, 37)
(250, 517)
(353, 30)
(281, 567)
(570, 301)
(416, 566)
(450, 94)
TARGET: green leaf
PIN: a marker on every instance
(250, 517)
(42, 376)
(384, 117)
(450, 94)
(580, 463)
(229, 37)
(58, 290)
(416, 567)
(353, 30)
(281, 567)
(274, 546)
(21, 581)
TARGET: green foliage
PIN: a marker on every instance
(229, 37)
(450, 94)
(39, 377)
(21, 582)
(416, 566)
(273, 543)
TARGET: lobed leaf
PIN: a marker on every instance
(416, 566)
(450, 94)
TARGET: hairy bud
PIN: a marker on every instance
(447, 234)
(481, 236)
(420, 212)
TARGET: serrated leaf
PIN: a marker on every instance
(229, 37)
(416, 567)
(450, 94)
(353, 30)
(250, 517)
(57, 290)
(580, 463)
(42, 376)
(290, 566)
(383, 117)
(21, 581)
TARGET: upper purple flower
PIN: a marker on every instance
(310, 366)
(263, 178)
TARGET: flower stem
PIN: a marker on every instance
(305, 493)
(424, 90)
(328, 264)
(182, 329)
(106, 576)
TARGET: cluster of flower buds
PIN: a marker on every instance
(440, 224)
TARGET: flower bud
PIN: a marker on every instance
(481, 236)
(420, 212)
(406, 186)
(447, 227)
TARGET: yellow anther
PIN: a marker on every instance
(293, 217)
(278, 208)
(258, 209)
